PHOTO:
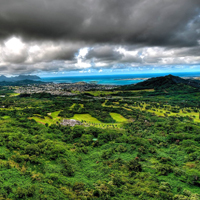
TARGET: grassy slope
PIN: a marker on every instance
(47, 119)
(13, 94)
(81, 117)
(95, 122)
(5, 117)
(85, 117)
(117, 117)
(55, 114)
(93, 168)
(161, 112)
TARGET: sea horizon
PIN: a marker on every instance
(116, 79)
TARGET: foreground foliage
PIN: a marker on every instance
(148, 157)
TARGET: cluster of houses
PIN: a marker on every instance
(64, 89)
(70, 122)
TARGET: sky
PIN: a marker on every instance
(90, 37)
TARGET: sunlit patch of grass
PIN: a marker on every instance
(81, 105)
(163, 111)
(71, 108)
(117, 117)
(85, 117)
(13, 94)
(5, 117)
(47, 119)
(43, 121)
(54, 114)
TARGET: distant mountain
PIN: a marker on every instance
(3, 78)
(19, 78)
(20, 83)
(163, 82)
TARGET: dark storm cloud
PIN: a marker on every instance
(70, 35)
(189, 51)
(3, 68)
(104, 53)
(149, 22)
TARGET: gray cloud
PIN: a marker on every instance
(155, 22)
(47, 35)
(104, 53)
(15, 50)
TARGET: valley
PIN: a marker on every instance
(132, 142)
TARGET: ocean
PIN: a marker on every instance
(114, 79)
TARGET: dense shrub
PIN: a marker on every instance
(134, 165)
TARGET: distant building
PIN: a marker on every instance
(70, 122)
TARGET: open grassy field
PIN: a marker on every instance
(157, 111)
(47, 119)
(55, 114)
(160, 112)
(89, 120)
(85, 117)
(118, 118)
(43, 121)
(13, 94)
(5, 117)
(163, 111)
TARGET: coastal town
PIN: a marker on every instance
(63, 89)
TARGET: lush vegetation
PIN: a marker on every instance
(127, 148)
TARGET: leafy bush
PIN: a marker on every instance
(164, 169)
(134, 165)
(107, 154)
(68, 169)
(32, 149)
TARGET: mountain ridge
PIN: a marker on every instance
(162, 82)
(19, 78)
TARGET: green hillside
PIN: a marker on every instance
(143, 146)
(164, 82)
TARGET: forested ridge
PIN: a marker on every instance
(163, 82)
(153, 153)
